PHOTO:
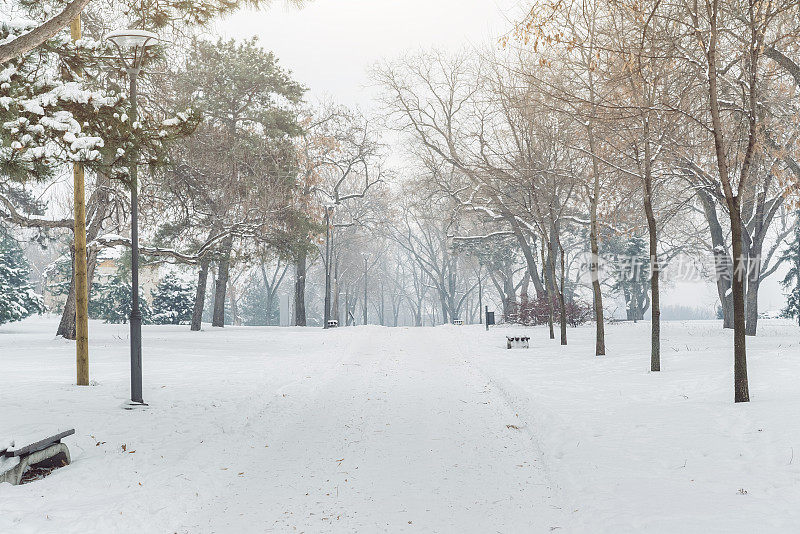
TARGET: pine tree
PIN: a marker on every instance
(240, 164)
(631, 271)
(792, 279)
(60, 104)
(173, 301)
(17, 298)
(112, 299)
(257, 309)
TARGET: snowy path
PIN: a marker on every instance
(359, 430)
(392, 439)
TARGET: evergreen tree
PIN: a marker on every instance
(58, 275)
(173, 301)
(630, 268)
(257, 309)
(792, 279)
(17, 298)
(239, 168)
(59, 106)
(112, 299)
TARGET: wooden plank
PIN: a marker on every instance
(39, 445)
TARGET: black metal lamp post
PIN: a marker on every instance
(366, 260)
(131, 45)
(327, 310)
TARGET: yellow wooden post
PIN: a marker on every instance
(81, 275)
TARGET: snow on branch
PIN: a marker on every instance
(37, 35)
(482, 237)
(112, 240)
(10, 213)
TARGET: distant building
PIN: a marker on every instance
(56, 276)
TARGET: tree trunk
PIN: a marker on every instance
(510, 308)
(300, 289)
(732, 200)
(561, 302)
(530, 259)
(222, 283)
(42, 32)
(66, 326)
(762, 222)
(335, 303)
(597, 294)
(626, 294)
(200, 295)
(740, 385)
(268, 312)
(524, 299)
(655, 268)
(722, 262)
(753, 283)
(346, 306)
(234, 305)
(594, 264)
(548, 282)
(655, 272)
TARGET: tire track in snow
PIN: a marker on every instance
(517, 408)
(397, 436)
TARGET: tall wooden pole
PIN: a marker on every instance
(81, 278)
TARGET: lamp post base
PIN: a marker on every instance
(136, 351)
(130, 405)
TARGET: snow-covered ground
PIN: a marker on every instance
(373, 429)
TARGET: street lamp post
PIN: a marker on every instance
(131, 45)
(327, 311)
(366, 259)
(480, 295)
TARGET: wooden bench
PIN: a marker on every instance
(458, 322)
(517, 342)
(18, 456)
(333, 324)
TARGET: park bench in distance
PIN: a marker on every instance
(20, 455)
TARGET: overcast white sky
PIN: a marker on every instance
(329, 45)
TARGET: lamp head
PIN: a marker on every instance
(131, 45)
(127, 39)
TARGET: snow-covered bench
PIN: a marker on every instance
(517, 342)
(19, 454)
(333, 324)
(458, 322)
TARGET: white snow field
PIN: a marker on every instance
(372, 429)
